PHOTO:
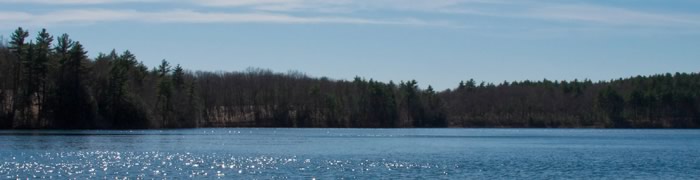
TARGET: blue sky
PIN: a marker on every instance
(436, 42)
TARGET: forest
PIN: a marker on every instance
(49, 82)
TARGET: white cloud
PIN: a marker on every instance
(81, 16)
(74, 1)
(610, 15)
(510, 9)
(342, 5)
(447, 12)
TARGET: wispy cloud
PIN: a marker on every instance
(74, 1)
(610, 15)
(511, 9)
(448, 13)
(82, 16)
(343, 5)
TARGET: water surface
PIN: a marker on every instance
(352, 154)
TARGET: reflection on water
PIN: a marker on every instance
(351, 153)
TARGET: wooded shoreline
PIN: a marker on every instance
(50, 83)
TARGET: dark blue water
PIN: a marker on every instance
(352, 154)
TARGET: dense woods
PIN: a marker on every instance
(49, 82)
(53, 84)
(658, 101)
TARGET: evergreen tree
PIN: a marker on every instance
(164, 93)
(178, 77)
(75, 108)
(40, 67)
(18, 46)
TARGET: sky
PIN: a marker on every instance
(436, 42)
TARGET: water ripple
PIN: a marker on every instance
(351, 154)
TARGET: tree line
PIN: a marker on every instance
(49, 82)
(657, 101)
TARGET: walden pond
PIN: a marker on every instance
(299, 153)
(48, 82)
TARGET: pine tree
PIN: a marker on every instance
(18, 46)
(164, 93)
(178, 77)
(40, 67)
(63, 46)
(75, 107)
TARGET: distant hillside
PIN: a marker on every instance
(49, 82)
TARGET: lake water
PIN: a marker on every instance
(352, 154)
